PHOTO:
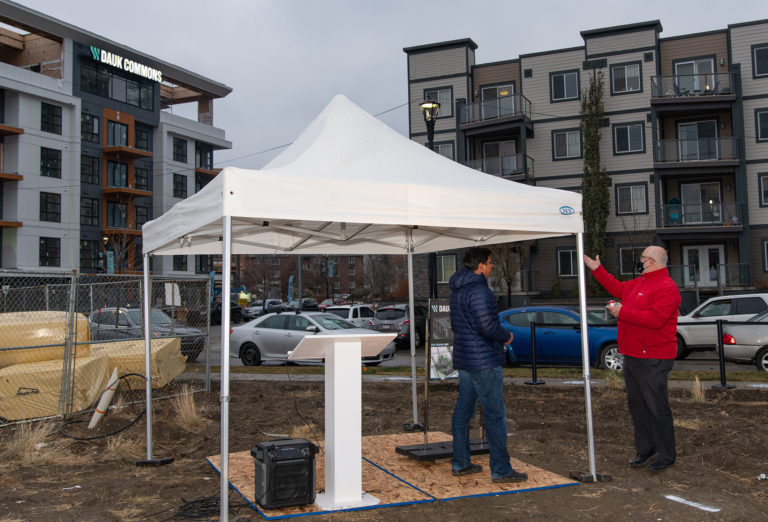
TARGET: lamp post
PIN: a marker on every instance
(429, 109)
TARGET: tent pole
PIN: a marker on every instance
(226, 273)
(585, 351)
(412, 328)
(148, 354)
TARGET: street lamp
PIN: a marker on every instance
(430, 108)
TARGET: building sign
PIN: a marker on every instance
(139, 69)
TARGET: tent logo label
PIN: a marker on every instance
(567, 210)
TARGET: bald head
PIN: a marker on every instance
(654, 258)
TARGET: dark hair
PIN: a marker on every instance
(474, 256)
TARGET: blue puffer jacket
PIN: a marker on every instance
(478, 336)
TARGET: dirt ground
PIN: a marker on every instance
(721, 443)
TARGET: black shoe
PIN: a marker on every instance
(469, 470)
(657, 466)
(515, 476)
(639, 461)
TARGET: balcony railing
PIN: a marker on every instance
(700, 149)
(515, 165)
(691, 85)
(720, 276)
(513, 105)
(687, 214)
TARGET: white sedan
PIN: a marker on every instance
(748, 342)
(273, 336)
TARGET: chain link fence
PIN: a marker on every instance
(62, 336)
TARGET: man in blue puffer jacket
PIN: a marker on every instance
(478, 355)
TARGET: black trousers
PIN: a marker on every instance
(646, 384)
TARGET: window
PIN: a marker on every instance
(89, 169)
(50, 207)
(760, 60)
(89, 211)
(445, 149)
(567, 264)
(763, 177)
(274, 261)
(628, 138)
(564, 86)
(117, 134)
(698, 140)
(117, 214)
(179, 186)
(203, 156)
(89, 128)
(631, 199)
(443, 96)
(142, 216)
(761, 124)
(629, 259)
(566, 144)
(143, 138)
(50, 251)
(446, 266)
(50, 162)
(351, 284)
(50, 118)
(180, 263)
(179, 150)
(201, 180)
(695, 76)
(110, 82)
(117, 174)
(141, 177)
(202, 264)
(497, 101)
(625, 78)
(89, 254)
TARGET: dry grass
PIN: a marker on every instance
(307, 431)
(133, 508)
(120, 447)
(189, 417)
(28, 440)
(613, 382)
(694, 424)
(697, 393)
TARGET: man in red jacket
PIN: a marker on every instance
(647, 324)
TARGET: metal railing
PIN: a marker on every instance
(691, 85)
(515, 165)
(697, 149)
(720, 276)
(516, 104)
(687, 214)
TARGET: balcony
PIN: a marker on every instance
(697, 215)
(125, 191)
(720, 276)
(7, 130)
(691, 86)
(516, 167)
(127, 152)
(506, 107)
(692, 150)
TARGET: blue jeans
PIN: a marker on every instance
(487, 387)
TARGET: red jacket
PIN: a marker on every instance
(647, 322)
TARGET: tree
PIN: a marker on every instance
(594, 187)
(507, 261)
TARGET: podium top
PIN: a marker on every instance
(317, 346)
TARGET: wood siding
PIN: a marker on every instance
(617, 42)
(694, 46)
(438, 63)
(742, 40)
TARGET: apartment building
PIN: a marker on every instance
(684, 141)
(90, 147)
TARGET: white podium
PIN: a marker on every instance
(343, 405)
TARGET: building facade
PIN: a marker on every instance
(684, 141)
(90, 148)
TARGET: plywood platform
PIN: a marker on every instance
(396, 479)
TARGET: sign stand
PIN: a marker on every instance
(343, 417)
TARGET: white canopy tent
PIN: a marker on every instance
(351, 185)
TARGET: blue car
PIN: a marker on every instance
(558, 341)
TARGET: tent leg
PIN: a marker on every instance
(592, 475)
(147, 301)
(226, 283)
(415, 425)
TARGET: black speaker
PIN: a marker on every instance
(285, 473)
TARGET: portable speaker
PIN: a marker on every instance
(285, 473)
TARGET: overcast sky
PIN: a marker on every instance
(286, 59)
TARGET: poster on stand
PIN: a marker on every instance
(440, 345)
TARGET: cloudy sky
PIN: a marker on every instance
(286, 59)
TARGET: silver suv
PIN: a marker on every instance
(691, 335)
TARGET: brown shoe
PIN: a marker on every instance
(515, 476)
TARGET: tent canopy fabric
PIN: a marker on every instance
(351, 185)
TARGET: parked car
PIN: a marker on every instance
(272, 336)
(307, 304)
(257, 308)
(395, 318)
(693, 336)
(359, 315)
(748, 343)
(196, 317)
(559, 342)
(331, 301)
(126, 323)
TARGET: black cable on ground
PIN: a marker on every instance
(203, 508)
(104, 435)
(296, 407)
